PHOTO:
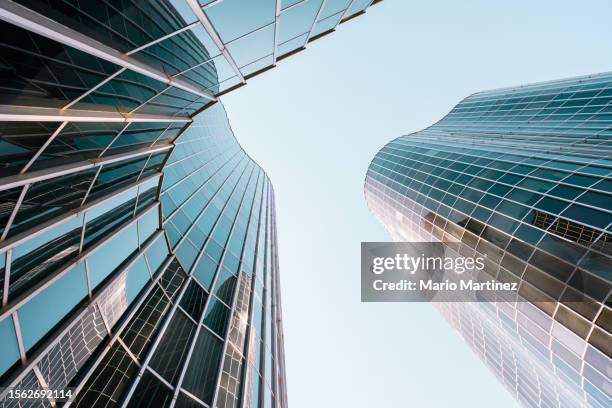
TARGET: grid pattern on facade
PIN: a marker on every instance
(521, 175)
(98, 192)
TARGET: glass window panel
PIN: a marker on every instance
(10, 350)
(326, 25)
(228, 83)
(235, 18)
(154, 165)
(116, 175)
(139, 333)
(137, 277)
(184, 10)
(172, 278)
(121, 25)
(252, 47)
(172, 350)
(201, 376)
(193, 300)
(225, 285)
(289, 3)
(67, 72)
(115, 201)
(332, 7)
(137, 134)
(181, 51)
(97, 228)
(169, 102)
(588, 216)
(36, 257)
(148, 224)
(216, 317)
(78, 141)
(112, 254)
(109, 380)
(258, 65)
(49, 307)
(291, 44)
(205, 271)
(157, 253)
(49, 198)
(124, 92)
(357, 6)
(298, 19)
(596, 200)
(19, 141)
(185, 401)
(150, 392)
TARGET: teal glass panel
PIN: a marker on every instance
(10, 350)
(49, 307)
(235, 18)
(137, 277)
(147, 225)
(157, 253)
(298, 20)
(36, 257)
(111, 255)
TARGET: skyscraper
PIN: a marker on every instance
(522, 176)
(137, 240)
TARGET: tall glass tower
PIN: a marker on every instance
(138, 261)
(521, 176)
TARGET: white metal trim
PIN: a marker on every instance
(13, 113)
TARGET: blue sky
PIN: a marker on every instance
(315, 122)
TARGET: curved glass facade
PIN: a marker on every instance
(138, 261)
(522, 176)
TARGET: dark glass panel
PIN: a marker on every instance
(47, 199)
(225, 285)
(193, 300)
(170, 102)
(151, 393)
(201, 375)
(183, 401)
(38, 71)
(217, 317)
(153, 165)
(139, 333)
(125, 92)
(36, 258)
(137, 135)
(181, 51)
(116, 175)
(19, 141)
(109, 380)
(172, 350)
(172, 278)
(123, 25)
(77, 141)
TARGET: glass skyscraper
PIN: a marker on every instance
(521, 176)
(137, 238)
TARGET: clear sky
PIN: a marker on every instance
(315, 122)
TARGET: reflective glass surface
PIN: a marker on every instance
(518, 175)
